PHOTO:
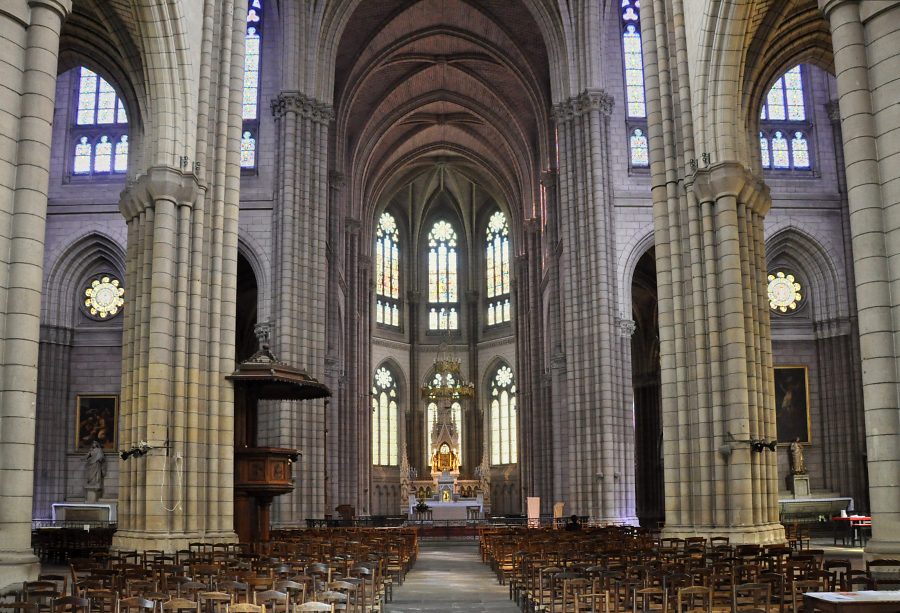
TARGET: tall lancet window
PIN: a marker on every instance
(504, 418)
(635, 99)
(443, 281)
(387, 271)
(431, 417)
(384, 418)
(783, 124)
(497, 269)
(100, 133)
(250, 108)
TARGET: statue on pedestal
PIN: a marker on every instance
(798, 466)
(94, 472)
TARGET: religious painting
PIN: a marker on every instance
(96, 419)
(792, 403)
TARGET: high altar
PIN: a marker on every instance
(447, 496)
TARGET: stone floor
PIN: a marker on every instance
(449, 576)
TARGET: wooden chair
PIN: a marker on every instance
(650, 599)
(180, 604)
(61, 581)
(71, 604)
(313, 607)
(136, 604)
(41, 593)
(214, 602)
(274, 601)
(695, 599)
(798, 588)
(751, 598)
(102, 601)
(246, 607)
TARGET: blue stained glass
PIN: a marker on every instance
(103, 155)
(634, 71)
(252, 44)
(640, 151)
(800, 151)
(248, 150)
(82, 163)
(121, 157)
(775, 102)
(764, 151)
(780, 157)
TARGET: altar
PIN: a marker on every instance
(453, 510)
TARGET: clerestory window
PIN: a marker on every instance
(100, 132)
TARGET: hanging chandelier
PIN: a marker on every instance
(447, 382)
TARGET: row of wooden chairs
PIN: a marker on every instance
(209, 603)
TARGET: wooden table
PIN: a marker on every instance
(852, 602)
(855, 524)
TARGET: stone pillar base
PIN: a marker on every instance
(16, 567)
(880, 548)
(763, 534)
(170, 542)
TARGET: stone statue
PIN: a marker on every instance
(94, 472)
(404, 481)
(798, 466)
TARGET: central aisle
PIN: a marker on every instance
(449, 576)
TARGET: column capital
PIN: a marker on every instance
(61, 7)
(730, 179)
(834, 111)
(295, 102)
(626, 327)
(158, 183)
(587, 101)
(352, 226)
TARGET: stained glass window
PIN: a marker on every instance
(497, 269)
(785, 292)
(104, 297)
(250, 106)
(783, 145)
(97, 101)
(640, 151)
(799, 151)
(387, 271)
(504, 417)
(101, 128)
(443, 283)
(780, 157)
(248, 150)
(384, 418)
(634, 63)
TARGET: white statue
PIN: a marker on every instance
(94, 472)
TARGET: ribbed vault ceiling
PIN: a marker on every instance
(442, 81)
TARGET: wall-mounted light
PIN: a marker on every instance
(757, 445)
(141, 449)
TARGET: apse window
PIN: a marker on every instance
(104, 297)
(384, 418)
(443, 280)
(504, 418)
(635, 97)
(785, 292)
(250, 105)
(497, 270)
(784, 126)
(100, 132)
(387, 272)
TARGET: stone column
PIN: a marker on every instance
(866, 39)
(716, 357)
(29, 42)
(178, 345)
(299, 284)
(596, 406)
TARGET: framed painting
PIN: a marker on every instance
(792, 403)
(96, 419)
